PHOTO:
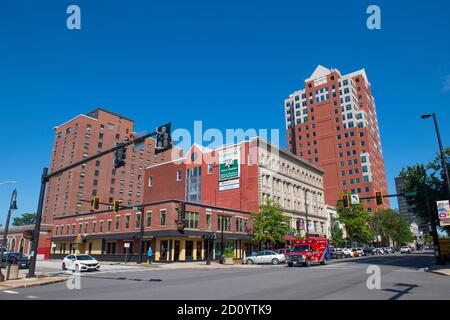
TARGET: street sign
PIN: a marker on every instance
(229, 164)
(443, 212)
(140, 145)
(354, 199)
(126, 244)
(410, 194)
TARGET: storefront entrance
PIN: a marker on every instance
(176, 249)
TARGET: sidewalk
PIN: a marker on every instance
(442, 270)
(23, 282)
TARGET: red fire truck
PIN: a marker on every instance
(309, 251)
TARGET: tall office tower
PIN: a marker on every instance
(86, 135)
(332, 123)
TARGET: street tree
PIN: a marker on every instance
(391, 225)
(424, 179)
(269, 223)
(25, 219)
(337, 234)
(356, 220)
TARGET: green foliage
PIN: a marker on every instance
(269, 224)
(420, 178)
(392, 225)
(337, 234)
(228, 252)
(357, 221)
(25, 219)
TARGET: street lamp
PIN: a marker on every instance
(12, 206)
(441, 149)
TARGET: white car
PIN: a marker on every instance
(265, 257)
(405, 249)
(348, 252)
(80, 262)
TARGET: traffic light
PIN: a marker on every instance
(379, 198)
(95, 203)
(163, 139)
(345, 200)
(181, 216)
(119, 157)
(28, 235)
(116, 206)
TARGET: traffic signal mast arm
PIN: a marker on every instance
(99, 155)
(406, 194)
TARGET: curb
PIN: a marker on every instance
(437, 271)
(33, 284)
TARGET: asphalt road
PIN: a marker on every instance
(402, 277)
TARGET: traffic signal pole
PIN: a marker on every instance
(141, 235)
(47, 176)
(37, 226)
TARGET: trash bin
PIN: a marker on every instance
(13, 272)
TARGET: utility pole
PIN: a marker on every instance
(437, 247)
(222, 245)
(441, 150)
(12, 206)
(164, 142)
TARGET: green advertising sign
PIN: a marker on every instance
(229, 164)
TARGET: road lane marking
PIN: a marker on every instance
(32, 297)
(10, 291)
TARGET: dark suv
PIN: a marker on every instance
(20, 258)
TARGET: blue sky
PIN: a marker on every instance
(227, 63)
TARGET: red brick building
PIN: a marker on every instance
(332, 122)
(237, 179)
(17, 243)
(84, 136)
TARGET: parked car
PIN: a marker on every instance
(11, 257)
(348, 252)
(378, 251)
(265, 257)
(369, 251)
(405, 249)
(338, 253)
(357, 252)
(282, 251)
(81, 262)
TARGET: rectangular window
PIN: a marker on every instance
(210, 168)
(162, 218)
(224, 222)
(150, 181)
(137, 220)
(117, 223)
(127, 221)
(179, 175)
(100, 227)
(208, 221)
(149, 219)
(191, 219)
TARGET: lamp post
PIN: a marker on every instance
(441, 149)
(444, 166)
(12, 206)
